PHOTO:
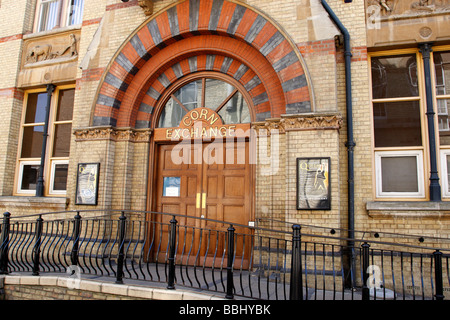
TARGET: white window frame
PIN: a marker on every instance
(20, 176)
(51, 191)
(50, 162)
(63, 14)
(420, 174)
(79, 14)
(444, 172)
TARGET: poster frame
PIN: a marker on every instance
(79, 200)
(302, 202)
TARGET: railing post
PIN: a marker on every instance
(76, 239)
(438, 275)
(121, 256)
(4, 243)
(296, 283)
(172, 246)
(230, 256)
(365, 266)
(37, 246)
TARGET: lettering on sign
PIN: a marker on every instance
(200, 132)
(201, 123)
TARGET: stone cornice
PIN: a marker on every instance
(113, 134)
(301, 122)
(298, 122)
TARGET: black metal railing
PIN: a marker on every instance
(231, 259)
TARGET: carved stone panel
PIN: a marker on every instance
(49, 58)
(391, 22)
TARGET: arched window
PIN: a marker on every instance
(205, 92)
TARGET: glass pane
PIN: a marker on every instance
(60, 177)
(62, 133)
(171, 115)
(65, 105)
(76, 12)
(190, 95)
(49, 15)
(442, 68)
(32, 142)
(394, 76)
(443, 106)
(397, 124)
(30, 175)
(235, 111)
(448, 173)
(36, 107)
(171, 186)
(216, 92)
(399, 174)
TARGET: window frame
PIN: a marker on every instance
(213, 75)
(420, 174)
(22, 164)
(378, 152)
(63, 19)
(443, 149)
(51, 181)
(50, 160)
(444, 172)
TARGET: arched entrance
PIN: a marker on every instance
(190, 45)
(202, 168)
(197, 35)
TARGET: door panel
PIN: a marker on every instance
(218, 187)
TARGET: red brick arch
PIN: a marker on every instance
(199, 35)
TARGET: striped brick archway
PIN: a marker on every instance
(201, 35)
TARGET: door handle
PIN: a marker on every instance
(201, 200)
(204, 200)
(197, 204)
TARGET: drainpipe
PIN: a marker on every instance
(40, 180)
(435, 187)
(350, 144)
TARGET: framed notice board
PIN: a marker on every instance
(87, 184)
(313, 184)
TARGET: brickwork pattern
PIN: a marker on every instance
(105, 38)
(199, 17)
(65, 288)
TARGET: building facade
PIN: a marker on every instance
(327, 113)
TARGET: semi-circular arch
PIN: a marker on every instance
(198, 35)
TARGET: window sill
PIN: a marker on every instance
(52, 32)
(410, 209)
(11, 203)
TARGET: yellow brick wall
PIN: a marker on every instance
(124, 164)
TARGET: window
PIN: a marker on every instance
(442, 90)
(58, 143)
(215, 94)
(52, 14)
(398, 126)
(399, 122)
(399, 173)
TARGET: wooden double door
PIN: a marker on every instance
(210, 185)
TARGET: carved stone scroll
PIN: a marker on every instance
(300, 122)
(113, 134)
